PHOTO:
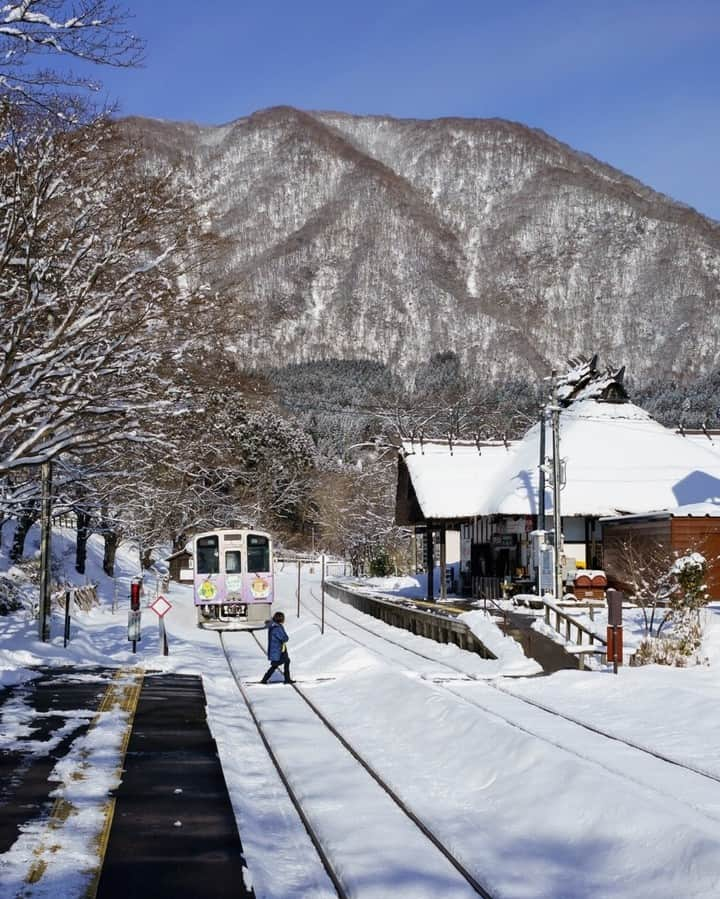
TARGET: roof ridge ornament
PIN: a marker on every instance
(584, 380)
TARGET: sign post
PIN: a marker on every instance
(69, 596)
(161, 607)
(298, 588)
(134, 616)
(322, 594)
(615, 628)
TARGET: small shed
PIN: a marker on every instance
(691, 528)
(180, 565)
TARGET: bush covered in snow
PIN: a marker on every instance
(10, 596)
(687, 596)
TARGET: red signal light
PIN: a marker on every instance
(135, 595)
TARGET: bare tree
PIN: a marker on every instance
(353, 507)
(83, 31)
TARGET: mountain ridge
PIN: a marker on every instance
(374, 237)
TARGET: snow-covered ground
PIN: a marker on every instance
(533, 804)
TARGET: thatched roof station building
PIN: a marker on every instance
(618, 461)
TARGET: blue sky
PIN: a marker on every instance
(635, 83)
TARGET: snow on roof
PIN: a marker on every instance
(697, 510)
(451, 484)
(693, 510)
(619, 459)
(708, 439)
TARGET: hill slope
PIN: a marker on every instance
(370, 237)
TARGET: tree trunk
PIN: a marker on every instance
(24, 523)
(83, 533)
(112, 540)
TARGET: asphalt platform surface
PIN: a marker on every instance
(173, 834)
(56, 708)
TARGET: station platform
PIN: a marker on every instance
(170, 830)
(173, 831)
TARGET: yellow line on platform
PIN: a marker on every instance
(127, 698)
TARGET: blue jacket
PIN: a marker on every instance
(277, 638)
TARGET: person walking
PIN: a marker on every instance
(277, 649)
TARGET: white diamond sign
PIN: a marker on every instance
(160, 606)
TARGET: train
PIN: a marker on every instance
(233, 583)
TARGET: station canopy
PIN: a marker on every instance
(449, 480)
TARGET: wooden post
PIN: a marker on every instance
(429, 561)
(443, 564)
(68, 599)
(45, 552)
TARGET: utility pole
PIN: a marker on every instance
(557, 520)
(541, 476)
(45, 552)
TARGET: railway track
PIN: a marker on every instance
(693, 770)
(467, 883)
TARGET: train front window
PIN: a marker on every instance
(233, 563)
(207, 551)
(258, 553)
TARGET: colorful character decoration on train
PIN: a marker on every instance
(207, 590)
(259, 587)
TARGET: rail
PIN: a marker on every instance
(293, 796)
(332, 871)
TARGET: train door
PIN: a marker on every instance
(233, 565)
(258, 577)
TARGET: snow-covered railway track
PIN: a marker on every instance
(342, 894)
(621, 757)
(437, 870)
(383, 637)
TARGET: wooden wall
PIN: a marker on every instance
(694, 534)
(700, 535)
(644, 534)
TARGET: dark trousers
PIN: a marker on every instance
(284, 660)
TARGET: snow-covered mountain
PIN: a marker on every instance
(373, 237)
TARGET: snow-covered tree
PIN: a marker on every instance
(670, 589)
(78, 32)
(86, 266)
(353, 509)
